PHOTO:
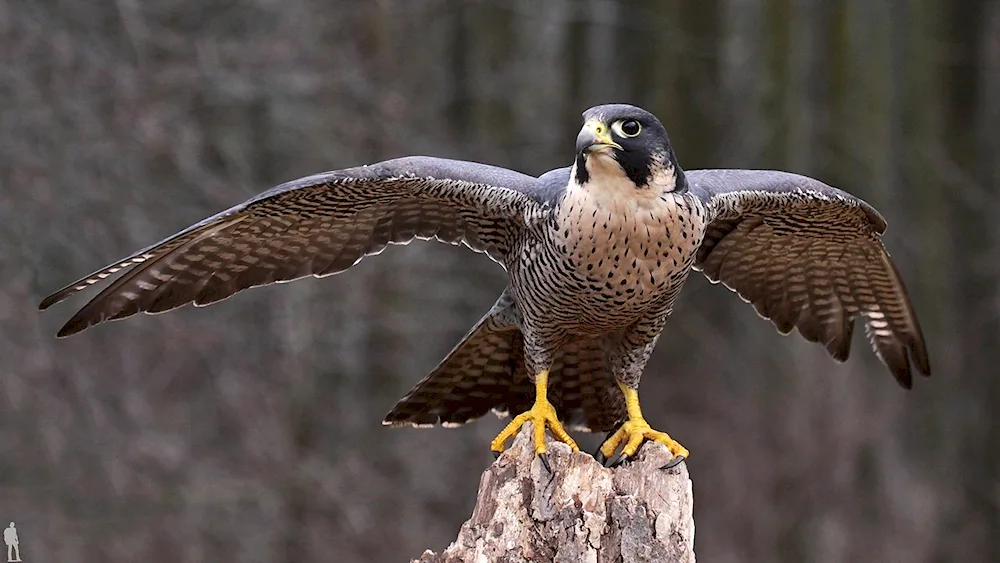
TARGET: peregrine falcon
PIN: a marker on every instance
(595, 256)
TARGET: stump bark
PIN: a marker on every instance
(580, 512)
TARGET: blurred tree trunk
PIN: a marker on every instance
(972, 124)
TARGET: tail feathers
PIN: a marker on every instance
(486, 371)
(470, 381)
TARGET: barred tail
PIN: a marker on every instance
(486, 371)
(474, 378)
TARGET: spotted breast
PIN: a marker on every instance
(631, 248)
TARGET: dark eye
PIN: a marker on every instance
(628, 128)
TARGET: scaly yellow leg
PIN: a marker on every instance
(542, 413)
(634, 431)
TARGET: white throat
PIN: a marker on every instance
(608, 181)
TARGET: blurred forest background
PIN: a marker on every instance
(251, 431)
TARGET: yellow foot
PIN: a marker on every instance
(632, 433)
(542, 413)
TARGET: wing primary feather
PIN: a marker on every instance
(840, 346)
(134, 259)
(91, 279)
(92, 314)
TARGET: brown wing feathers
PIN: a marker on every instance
(318, 226)
(810, 258)
(150, 277)
(256, 247)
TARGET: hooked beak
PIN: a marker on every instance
(595, 137)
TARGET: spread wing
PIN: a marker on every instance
(810, 256)
(318, 225)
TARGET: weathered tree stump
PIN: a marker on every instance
(580, 512)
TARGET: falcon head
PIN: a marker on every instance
(620, 141)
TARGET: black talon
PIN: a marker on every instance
(599, 454)
(600, 457)
(618, 460)
(674, 462)
(545, 461)
(496, 455)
